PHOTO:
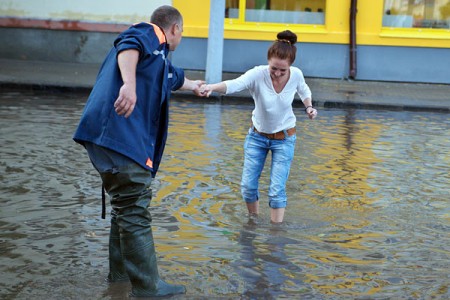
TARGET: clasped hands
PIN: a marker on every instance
(202, 89)
(205, 90)
(126, 100)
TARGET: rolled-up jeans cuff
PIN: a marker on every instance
(277, 204)
(251, 200)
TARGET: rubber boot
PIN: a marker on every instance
(129, 188)
(139, 257)
(117, 271)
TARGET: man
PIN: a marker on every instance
(124, 128)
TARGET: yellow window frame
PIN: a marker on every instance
(316, 33)
(371, 31)
(334, 31)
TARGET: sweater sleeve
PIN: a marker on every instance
(243, 82)
(303, 89)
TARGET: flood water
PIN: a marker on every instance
(368, 214)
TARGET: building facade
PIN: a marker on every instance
(383, 40)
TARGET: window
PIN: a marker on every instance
(278, 11)
(417, 13)
(232, 9)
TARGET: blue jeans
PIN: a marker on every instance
(256, 147)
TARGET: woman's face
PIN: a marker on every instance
(279, 68)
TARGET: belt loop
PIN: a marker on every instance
(286, 135)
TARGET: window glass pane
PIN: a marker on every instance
(417, 13)
(286, 11)
(232, 9)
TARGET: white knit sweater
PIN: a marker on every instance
(273, 111)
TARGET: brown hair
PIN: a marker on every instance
(165, 16)
(283, 47)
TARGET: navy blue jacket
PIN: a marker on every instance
(142, 136)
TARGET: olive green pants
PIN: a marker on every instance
(131, 250)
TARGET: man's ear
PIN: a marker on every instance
(173, 28)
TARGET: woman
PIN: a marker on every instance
(273, 88)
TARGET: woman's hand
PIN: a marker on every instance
(219, 87)
(311, 112)
(206, 90)
(196, 87)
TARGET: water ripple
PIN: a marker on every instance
(368, 213)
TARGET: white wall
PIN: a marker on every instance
(114, 11)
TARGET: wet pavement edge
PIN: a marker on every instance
(71, 77)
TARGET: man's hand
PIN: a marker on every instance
(197, 87)
(205, 90)
(126, 101)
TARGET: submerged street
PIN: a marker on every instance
(367, 215)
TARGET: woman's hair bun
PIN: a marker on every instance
(287, 36)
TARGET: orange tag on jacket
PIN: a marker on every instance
(149, 163)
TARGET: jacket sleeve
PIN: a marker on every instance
(140, 37)
(176, 77)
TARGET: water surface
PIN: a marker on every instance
(367, 218)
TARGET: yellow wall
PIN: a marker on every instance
(335, 30)
(370, 31)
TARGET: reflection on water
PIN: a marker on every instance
(368, 214)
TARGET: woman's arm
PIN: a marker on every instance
(309, 109)
(219, 87)
(245, 81)
(304, 92)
